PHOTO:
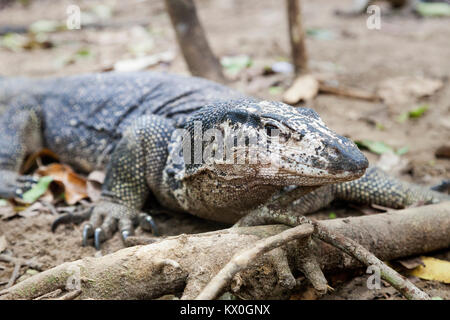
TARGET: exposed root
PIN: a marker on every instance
(189, 262)
(403, 285)
(243, 259)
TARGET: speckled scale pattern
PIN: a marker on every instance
(378, 187)
(83, 117)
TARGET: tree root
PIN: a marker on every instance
(185, 264)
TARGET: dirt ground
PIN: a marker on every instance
(405, 46)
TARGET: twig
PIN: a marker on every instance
(355, 93)
(70, 295)
(354, 249)
(297, 36)
(23, 262)
(241, 260)
(192, 40)
(50, 295)
(14, 275)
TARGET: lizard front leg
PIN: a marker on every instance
(20, 130)
(133, 172)
(374, 187)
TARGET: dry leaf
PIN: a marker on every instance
(443, 152)
(304, 88)
(3, 244)
(403, 90)
(7, 211)
(434, 269)
(33, 210)
(411, 263)
(75, 186)
(143, 62)
(94, 185)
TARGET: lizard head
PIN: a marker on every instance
(272, 143)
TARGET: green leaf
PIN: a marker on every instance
(377, 147)
(14, 41)
(236, 63)
(402, 150)
(436, 298)
(38, 190)
(433, 9)
(321, 34)
(3, 202)
(45, 26)
(332, 215)
(418, 112)
(84, 53)
(275, 90)
(403, 117)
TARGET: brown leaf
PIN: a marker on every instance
(403, 90)
(94, 185)
(33, 210)
(7, 211)
(32, 159)
(411, 263)
(304, 88)
(443, 152)
(75, 186)
(3, 244)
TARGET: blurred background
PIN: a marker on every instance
(380, 78)
(405, 62)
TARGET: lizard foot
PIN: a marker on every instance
(107, 217)
(14, 185)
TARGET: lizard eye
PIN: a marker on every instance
(270, 129)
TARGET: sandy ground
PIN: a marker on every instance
(358, 57)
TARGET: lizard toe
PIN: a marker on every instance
(147, 223)
(88, 232)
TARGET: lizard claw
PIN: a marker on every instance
(67, 218)
(148, 224)
(88, 232)
(125, 234)
(99, 237)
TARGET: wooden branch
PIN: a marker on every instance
(242, 259)
(192, 40)
(297, 36)
(186, 263)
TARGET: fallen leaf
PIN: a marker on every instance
(45, 26)
(438, 9)
(7, 211)
(234, 64)
(74, 185)
(37, 190)
(94, 185)
(418, 112)
(143, 62)
(320, 34)
(304, 88)
(33, 210)
(275, 90)
(434, 269)
(282, 67)
(411, 263)
(377, 147)
(443, 152)
(402, 90)
(3, 244)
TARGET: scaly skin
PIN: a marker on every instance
(130, 123)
